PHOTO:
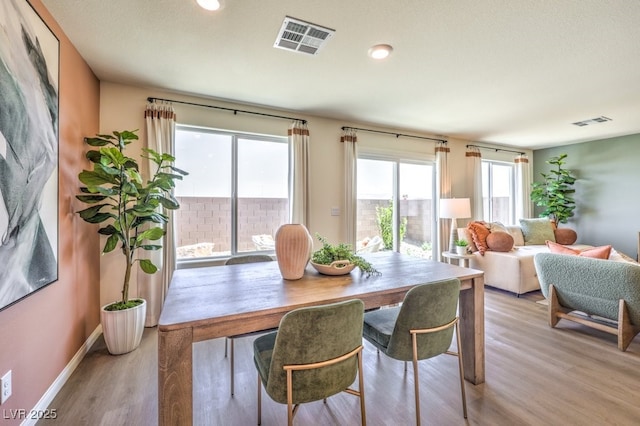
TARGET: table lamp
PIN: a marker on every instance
(454, 208)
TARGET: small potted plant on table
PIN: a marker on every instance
(461, 246)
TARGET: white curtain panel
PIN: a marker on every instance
(524, 209)
(299, 173)
(160, 123)
(474, 181)
(443, 188)
(350, 139)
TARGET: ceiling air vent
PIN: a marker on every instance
(601, 119)
(301, 36)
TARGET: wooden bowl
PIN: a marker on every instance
(337, 267)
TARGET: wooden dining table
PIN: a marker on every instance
(212, 302)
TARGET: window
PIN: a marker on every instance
(236, 194)
(395, 206)
(498, 191)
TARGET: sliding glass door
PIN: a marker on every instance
(395, 206)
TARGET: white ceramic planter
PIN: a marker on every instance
(461, 250)
(123, 329)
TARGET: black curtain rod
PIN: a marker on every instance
(397, 135)
(495, 149)
(234, 110)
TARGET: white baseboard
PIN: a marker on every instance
(58, 383)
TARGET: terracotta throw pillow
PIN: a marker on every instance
(500, 241)
(479, 233)
(565, 235)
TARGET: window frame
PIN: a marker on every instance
(398, 158)
(182, 263)
(512, 191)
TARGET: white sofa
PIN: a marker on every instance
(513, 271)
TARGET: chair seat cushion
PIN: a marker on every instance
(262, 351)
(378, 326)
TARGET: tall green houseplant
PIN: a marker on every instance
(132, 210)
(555, 192)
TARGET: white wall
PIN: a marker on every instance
(122, 108)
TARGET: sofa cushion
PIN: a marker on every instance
(500, 241)
(537, 231)
(565, 235)
(516, 233)
(479, 233)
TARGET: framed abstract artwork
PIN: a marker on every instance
(29, 82)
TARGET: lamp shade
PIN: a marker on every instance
(454, 208)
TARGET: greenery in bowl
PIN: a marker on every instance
(330, 253)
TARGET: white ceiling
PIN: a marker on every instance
(510, 72)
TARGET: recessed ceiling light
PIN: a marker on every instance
(209, 4)
(380, 51)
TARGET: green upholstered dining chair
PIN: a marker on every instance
(316, 353)
(421, 328)
(228, 341)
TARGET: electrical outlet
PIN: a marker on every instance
(5, 387)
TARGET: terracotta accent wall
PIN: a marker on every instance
(40, 334)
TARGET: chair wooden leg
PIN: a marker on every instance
(416, 377)
(554, 307)
(232, 368)
(289, 398)
(259, 400)
(626, 330)
(461, 368)
(361, 389)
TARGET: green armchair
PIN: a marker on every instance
(421, 328)
(599, 288)
(316, 353)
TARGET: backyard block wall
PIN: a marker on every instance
(206, 220)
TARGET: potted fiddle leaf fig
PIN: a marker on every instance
(555, 192)
(132, 213)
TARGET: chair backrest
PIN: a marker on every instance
(249, 258)
(425, 306)
(311, 335)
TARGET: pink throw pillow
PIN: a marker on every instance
(601, 252)
(560, 249)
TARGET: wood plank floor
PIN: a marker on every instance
(536, 375)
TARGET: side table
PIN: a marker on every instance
(463, 259)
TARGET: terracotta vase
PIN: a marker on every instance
(293, 250)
